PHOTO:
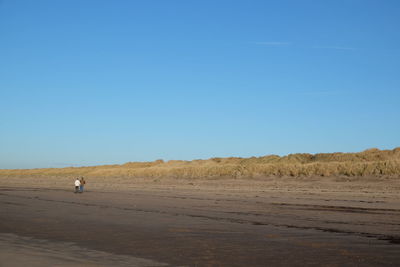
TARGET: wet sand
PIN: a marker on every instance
(224, 222)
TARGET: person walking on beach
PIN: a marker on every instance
(77, 185)
(82, 184)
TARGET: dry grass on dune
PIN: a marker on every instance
(371, 162)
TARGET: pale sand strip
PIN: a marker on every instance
(25, 251)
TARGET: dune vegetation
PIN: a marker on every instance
(371, 162)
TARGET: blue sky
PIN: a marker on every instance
(103, 82)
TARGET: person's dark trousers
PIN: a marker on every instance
(76, 189)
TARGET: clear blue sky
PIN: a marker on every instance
(102, 82)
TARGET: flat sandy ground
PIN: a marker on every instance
(200, 222)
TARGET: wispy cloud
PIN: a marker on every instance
(321, 93)
(334, 47)
(273, 43)
(283, 44)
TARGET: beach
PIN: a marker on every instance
(275, 221)
(199, 133)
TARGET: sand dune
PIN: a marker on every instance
(371, 162)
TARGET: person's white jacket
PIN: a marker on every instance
(77, 182)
